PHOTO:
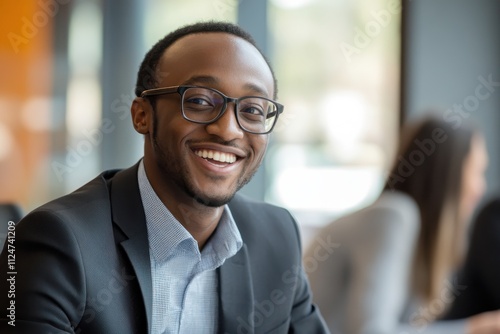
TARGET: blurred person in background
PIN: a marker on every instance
(167, 245)
(393, 271)
(481, 271)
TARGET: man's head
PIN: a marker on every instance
(208, 162)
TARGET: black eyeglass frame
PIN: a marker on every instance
(182, 89)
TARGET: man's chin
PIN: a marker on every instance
(213, 201)
(214, 195)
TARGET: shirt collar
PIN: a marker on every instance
(166, 233)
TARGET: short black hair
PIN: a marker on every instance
(147, 76)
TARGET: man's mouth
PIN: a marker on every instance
(224, 157)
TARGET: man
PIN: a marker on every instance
(166, 246)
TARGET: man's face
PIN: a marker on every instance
(178, 147)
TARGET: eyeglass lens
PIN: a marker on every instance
(254, 114)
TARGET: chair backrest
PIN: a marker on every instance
(8, 212)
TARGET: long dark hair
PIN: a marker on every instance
(429, 168)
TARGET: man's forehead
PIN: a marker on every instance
(213, 50)
(208, 41)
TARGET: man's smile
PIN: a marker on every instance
(216, 155)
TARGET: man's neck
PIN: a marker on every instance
(199, 220)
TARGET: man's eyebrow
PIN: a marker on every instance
(209, 80)
(203, 79)
(257, 89)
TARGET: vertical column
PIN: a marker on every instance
(59, 91)
(452, 62)
(252, 16)
(123, 49)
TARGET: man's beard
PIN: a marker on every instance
(177, 171)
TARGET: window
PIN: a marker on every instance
(338, 68)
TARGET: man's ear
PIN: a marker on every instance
(141, 115)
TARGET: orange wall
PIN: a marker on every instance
(25, 76)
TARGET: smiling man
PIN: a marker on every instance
(168, 246)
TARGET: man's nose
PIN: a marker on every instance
(227, 126)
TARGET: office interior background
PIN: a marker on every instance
(350, 72)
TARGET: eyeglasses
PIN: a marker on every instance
(203, 105)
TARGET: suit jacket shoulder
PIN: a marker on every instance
(259, 222)
(73, 273)
(274, 288)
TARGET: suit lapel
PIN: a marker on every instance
(236, 293)
(128, 214)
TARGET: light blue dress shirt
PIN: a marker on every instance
(185, 282)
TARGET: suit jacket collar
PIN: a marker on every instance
(128, 215)
(236, 286)
(236, 293)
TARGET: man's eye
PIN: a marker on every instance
(199, 101)
(253, 111)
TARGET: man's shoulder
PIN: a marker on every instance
(256, 218)
(255, 208)
(93, 192)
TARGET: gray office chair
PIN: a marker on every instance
(8, 212)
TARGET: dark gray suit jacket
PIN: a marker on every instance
(83, 266)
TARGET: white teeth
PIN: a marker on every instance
(217, 156)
